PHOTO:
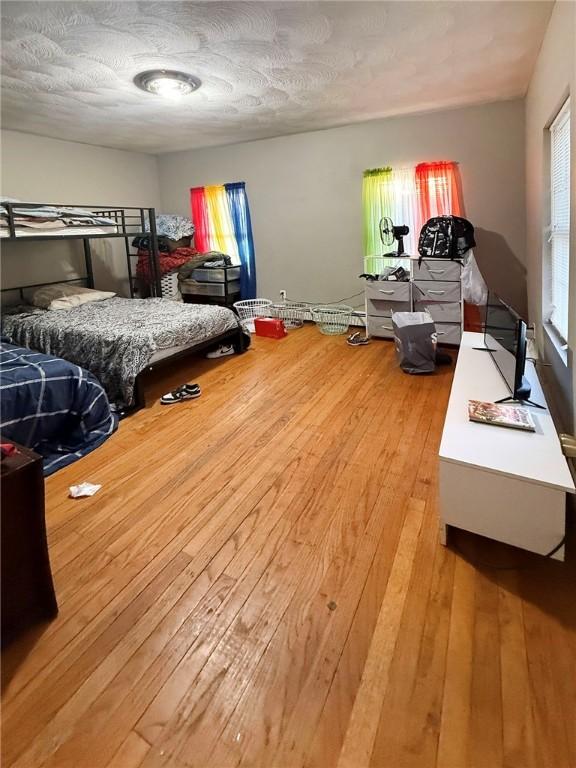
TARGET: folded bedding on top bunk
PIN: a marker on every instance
(117, 338)
(53, 221)
(52, 406)
(59, 231)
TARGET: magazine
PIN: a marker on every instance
(500, 415)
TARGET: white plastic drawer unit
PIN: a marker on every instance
(436, 290)
(388, 290)
(449, 333)
(440, 311)
(380, 327)
(216, 275)
(384, 308)
(436, 269)
(208, 289)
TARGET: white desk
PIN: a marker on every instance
(502, 483)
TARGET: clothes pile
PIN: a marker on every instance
(172, 226)
(174, 245)
(168, 261)
(208, 260)
(50, 217)
(165, 245)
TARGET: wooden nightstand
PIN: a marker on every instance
(27, 588)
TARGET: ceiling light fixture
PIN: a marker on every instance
(167, 82)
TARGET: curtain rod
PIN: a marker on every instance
(388, 168)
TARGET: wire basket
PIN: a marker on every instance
(248, 309)
(332, 320)
(292, 313)
(170, 287)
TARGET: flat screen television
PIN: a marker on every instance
(505, 339)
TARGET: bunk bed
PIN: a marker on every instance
(121, 341)
(118, 222)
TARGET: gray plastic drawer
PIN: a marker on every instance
(216, 275)
(388, 290)
(380, 326)
(208, 289)
(378, 308)
(440, 311)
(435, 290)
(436, 269)
(448, 333)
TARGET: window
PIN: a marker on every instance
(408, 196)
(221, 215)
(559, 241)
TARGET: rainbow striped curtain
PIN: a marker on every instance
(221, 216)
(408, 196)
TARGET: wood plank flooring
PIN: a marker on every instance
(259, 583)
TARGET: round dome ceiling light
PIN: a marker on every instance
(167, 82)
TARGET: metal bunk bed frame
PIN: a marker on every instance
(129, 222)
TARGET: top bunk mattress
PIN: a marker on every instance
(39, 220)
(116, 338)
(84, 231)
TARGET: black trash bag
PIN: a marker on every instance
(415, 340)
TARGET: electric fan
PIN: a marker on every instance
(386, 231)
(389, 232)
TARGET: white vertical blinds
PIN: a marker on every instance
(560, 220)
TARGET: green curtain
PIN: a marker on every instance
(377, 202)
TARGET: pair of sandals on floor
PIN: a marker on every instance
(192, 391)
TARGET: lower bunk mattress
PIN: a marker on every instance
(52, 406)
(117, 338)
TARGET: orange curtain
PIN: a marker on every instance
(438, 189)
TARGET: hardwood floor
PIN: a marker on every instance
(259, 582)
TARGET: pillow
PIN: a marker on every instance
(66, 296)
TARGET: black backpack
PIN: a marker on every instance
(445, 237)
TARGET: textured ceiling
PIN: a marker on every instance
(268, 68)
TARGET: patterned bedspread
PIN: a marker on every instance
(52, 406)
(116, 338)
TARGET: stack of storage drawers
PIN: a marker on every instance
(382, 298)
(436, 289)
(212, 285)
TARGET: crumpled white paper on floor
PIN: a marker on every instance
(84, 489)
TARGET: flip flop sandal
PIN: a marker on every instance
(357, 340)
(184, 392)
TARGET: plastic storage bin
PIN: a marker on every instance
(209, 289)
(216, 275)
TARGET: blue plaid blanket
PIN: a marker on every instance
(52, 406)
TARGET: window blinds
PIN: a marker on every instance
(560, 220)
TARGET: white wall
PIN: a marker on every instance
(553, 79)
(305, 191)
(40, 169)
